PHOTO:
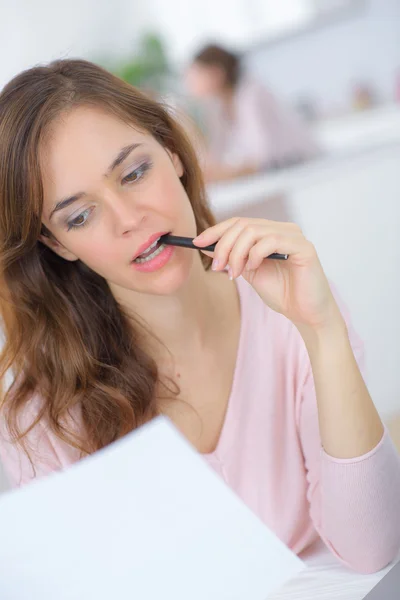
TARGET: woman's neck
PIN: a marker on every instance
(192, 315)
(227, 96)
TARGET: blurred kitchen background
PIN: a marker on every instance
(335, 62)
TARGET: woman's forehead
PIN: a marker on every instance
(80, 148)
(85, 135)
(91, 125)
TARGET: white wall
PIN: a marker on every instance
(325, 63)
(42, 30)
(237, 23)
(321, 64)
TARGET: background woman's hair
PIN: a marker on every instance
(66, 338)
(216, 56)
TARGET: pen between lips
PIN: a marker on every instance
(185, 242)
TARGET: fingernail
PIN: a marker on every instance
(215, 264)
(230, 273)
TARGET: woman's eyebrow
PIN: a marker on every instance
(66, 202)
(123, 154)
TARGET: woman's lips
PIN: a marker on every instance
(156, 263)
(148, 243)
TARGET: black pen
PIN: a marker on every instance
(185, 242)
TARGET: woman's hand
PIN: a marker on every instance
(349, 423)
(297, 287)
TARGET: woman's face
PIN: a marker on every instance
(110, 191)
(204, 81)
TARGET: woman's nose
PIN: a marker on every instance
(127, 216)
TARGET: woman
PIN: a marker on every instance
(105, 328)
(246, 128)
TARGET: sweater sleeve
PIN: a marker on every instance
(354, 503)
(41, 454)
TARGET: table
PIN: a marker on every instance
(326, 579)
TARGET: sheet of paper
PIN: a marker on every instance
(145, 518)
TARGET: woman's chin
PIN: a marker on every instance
(169, 282)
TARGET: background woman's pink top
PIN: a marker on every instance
(262, 132)
(270, 451)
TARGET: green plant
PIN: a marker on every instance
(148, 66)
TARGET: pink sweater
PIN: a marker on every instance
(261, 132)
(270, 451)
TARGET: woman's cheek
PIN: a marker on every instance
(100, 257)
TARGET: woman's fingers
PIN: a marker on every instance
(295, 245)
(245, 243)
(225, 245)
(214, 233)
(240, 251)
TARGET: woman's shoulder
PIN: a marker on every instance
(251, 89)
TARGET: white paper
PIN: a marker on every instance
(147, 519)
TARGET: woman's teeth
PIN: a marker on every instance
(158, 250)
(153, 245)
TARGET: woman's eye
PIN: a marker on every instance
(80, 220)
(136, 174)
(131, 177)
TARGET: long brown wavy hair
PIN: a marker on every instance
(66, 338)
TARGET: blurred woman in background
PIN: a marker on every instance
(246, 128)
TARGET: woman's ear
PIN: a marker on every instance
(176, 161)
(50, 241)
